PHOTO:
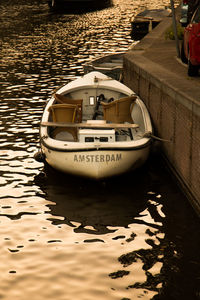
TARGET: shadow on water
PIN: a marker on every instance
(115, 202)
(14, 14)
(79, 7)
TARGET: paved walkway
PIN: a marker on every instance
(160, 54)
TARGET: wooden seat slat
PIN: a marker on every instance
(86, 125)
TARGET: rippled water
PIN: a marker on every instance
(63, 238)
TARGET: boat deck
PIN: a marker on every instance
(109, 121)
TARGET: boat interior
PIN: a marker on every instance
(103, 117)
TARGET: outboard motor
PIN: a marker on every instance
(96, 109)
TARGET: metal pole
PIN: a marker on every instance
(175, 27)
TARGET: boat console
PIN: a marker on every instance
(96, 135)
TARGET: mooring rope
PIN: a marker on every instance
(149, 134)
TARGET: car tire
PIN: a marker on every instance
(192, 70)
(183, 57)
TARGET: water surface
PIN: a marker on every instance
(64, 238)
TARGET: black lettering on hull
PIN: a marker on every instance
(97, 158)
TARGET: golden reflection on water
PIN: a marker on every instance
(44, 258)
(64, 238)
(71, 238)
(92, 238)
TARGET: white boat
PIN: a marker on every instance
(95, 127)
(145, 21)
(110, 64)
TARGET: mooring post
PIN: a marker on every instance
(175, 27)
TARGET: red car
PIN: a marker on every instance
(190, 51)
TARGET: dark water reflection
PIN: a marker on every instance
(148, 198)
(90, 203)
(131, 237)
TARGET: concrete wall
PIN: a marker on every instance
(173, 102)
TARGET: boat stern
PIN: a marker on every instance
(96, 164)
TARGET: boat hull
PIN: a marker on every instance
(102, 149)
(96, 164)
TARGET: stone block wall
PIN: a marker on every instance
(175, 116)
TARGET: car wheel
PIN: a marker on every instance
(183, 57)
(192, 70)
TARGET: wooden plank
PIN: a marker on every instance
(86, 125)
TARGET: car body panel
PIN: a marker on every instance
(192, 39)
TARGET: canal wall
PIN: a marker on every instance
(153, 71)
